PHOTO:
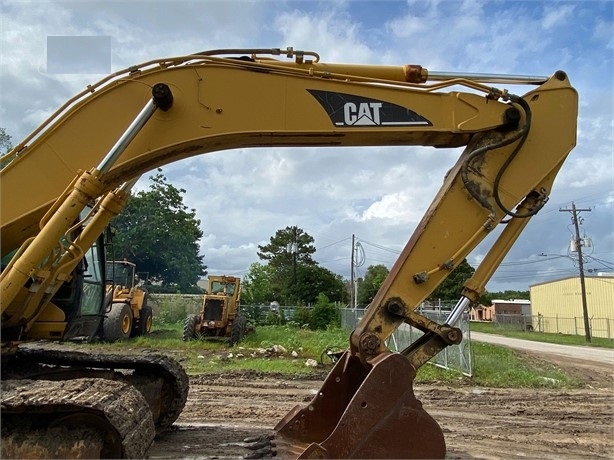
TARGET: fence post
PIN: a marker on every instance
(589, 321)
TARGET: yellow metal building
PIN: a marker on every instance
(557, 305)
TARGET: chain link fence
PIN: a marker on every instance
(173, 308)
(455, 357)
(599, 327)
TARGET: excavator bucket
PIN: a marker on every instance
(362, 413)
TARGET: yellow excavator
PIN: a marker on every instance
(59, 401)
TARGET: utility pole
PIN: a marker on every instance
(294, 253)
(292, 248)
(352, 280)
(578, 243)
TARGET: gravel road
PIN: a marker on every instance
(604, 356)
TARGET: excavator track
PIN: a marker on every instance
(160, 379)
(79, 418)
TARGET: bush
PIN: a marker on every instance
(324, 314)
(173, 309)
(302, 316)
(275, 318)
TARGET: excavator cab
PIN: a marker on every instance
(77, 308)
(86, 322)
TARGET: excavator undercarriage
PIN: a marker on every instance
(122, 400)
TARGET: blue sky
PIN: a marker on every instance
(334, 193)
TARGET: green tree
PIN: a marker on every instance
(487, 297)
(160, 235)
(452, 286)
(288, 254)
(257, 286)
(313, 280)
(5, 141)
(368, 287)
(288, 246)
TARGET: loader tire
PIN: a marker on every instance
(189, 327)
(117, 325)
(145, 321)
(238, 330)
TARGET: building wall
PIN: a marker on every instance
(481, 313)
(560, 303)
(507, 308)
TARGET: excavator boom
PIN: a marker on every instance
(266, 105)
(97, 145)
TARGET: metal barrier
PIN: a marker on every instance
(571, 325)
(456, 357)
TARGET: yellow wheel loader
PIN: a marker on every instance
(127, 314)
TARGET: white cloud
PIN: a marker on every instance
(394, 207)
(558, 16)
(603, 32)
(377, 193)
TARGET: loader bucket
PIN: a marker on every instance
(362, 413)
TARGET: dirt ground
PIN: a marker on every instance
(478, 422)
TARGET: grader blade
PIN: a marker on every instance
(362, 413)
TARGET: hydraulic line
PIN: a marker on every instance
(521, 135)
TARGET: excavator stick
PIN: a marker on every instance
(363, 413)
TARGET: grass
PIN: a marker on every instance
(310, 343)
(561, 339)
(499, 366)
(202, 365)
(493, 366)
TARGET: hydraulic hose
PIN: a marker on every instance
(522, 134)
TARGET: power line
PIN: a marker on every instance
(379, 246)
(332, 244)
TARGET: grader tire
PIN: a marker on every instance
(238, 330)
(189, 327)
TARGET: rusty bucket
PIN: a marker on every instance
(362, 413)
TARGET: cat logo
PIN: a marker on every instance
(348, 110)
(367, 113)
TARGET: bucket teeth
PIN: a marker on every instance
(276, 445)
(263, 446)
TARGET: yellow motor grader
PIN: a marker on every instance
(220, 314)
